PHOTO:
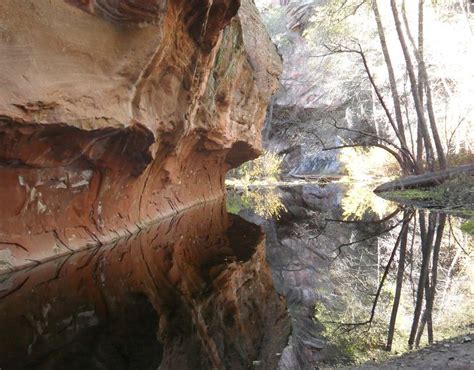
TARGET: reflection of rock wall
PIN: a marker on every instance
(199, 279)
(302, 253)
(116, 113)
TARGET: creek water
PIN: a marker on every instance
(282, 277)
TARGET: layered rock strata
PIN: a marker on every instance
(115, 113)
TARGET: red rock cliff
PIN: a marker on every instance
(116, 113)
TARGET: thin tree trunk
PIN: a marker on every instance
(427, 244)
(421, 329)
(421, 48)
(391, 75)
(398, 289)
(411, 261)
(424, 317)
(423, 80)
(413, 83)
(434, 275)
(407, 163)
(423, 236)
(434, 128)
(430, 288)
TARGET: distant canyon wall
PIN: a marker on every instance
(116, 113)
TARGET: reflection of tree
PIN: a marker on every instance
(264, 201)
(401, 241)
(398, 290)
(436, 224)
(417, 246)
(405, 219)
(360, 201)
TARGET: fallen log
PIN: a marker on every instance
(426, 179)
(313, 177)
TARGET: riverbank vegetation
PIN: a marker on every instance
(253, 186)
(456, 195)
(406, 73)
(404, 79)
(266, 169)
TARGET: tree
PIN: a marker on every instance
(336, 27)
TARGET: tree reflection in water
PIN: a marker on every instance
(265, 201)
(385, 277)
(411, 273)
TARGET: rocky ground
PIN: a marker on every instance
(456, 353)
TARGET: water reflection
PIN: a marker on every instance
(265, 201)
(362, 276)
(201, 290)
(193, 292)
(360, 202)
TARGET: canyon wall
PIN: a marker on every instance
(116, 113)
(302, 115)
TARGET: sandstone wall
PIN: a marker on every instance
(115, 113)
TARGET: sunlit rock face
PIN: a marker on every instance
(301, 118)
(115, 113)
(191, 292)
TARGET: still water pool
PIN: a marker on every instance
(267, 278)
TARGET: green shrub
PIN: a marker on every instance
(267, 168)
(468, 227)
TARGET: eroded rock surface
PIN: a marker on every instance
(192, 292)
(115, 113)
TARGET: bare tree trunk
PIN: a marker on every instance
(421, 48)
(434, 128)
(413, 83)
(393, 82)
(425, 315)
(398, 289)
(419, 334)
(405, 159)
(423, 80)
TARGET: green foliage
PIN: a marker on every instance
(454, 196)
(252, 181)
(264, 201)
(265, 168)
(235, 203)
(413, 194)
(274, 18)
(468, 227)
(360, 201)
